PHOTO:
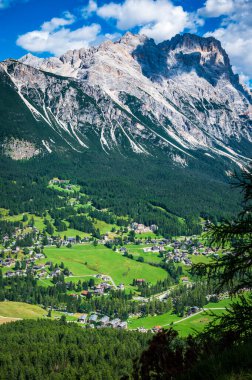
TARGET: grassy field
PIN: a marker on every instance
(104, 227)
(12, 311)
(71, 232)
(186, 326)
(38, 221)
(197, 323)
(75, 280)
(45, 282)
(199, 259)
(74, 188)
(8, 319)
(137, 251)
(21, 310)
(87, 260)
(152, 321)
(146, 235)
(223, 303)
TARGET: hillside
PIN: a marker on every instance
(20, 310)
(136, 124)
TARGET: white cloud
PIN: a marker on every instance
(235, 35)
(54, 38)
(216, 8)
(112, 36)
(158, 19)
(89, 9)
(56, 23)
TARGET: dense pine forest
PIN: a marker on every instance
(144, 190)
(57, 350)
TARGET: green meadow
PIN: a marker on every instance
(184, 326)
(196, 323)
(87, 259)
(152, 321)
(137, 251)
(21, 310)
(104, 227)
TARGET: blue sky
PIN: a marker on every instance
(51, 27)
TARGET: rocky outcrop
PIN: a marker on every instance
(19, 149)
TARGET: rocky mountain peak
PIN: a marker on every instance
(178, 96)
(182, 54)
(31, 60)
(73, 56)
(131, 41)
(205, 55)
(192, 42)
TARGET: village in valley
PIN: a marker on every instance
(34, 248)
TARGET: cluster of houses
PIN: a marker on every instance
(179, 257)
(153, 245)
(11, 242)
(62, 183)
(219, 296)
(141, 228)
(55, 240)
(8, 262)
(93, 321)
(180, 251)
(155, 248)
(28, 265)
(154, 329)
(57, 181)
(176, 251)
(97, 290)
(37, 270)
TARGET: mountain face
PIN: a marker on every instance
(179, 98)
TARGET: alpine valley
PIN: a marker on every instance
(124, 251)
(149, 130)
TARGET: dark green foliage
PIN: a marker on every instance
(57, 350)
(166, 358)
(217, 353)
(25, 241)
(49, 227)
(232, 363)
(146, 190)
(235, 268)
(146, 290)
(116, 304)
(81, 223)
(8, 228)
(170, 357)
(60, 225)
(27, 193)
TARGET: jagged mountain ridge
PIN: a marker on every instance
(178, 97)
